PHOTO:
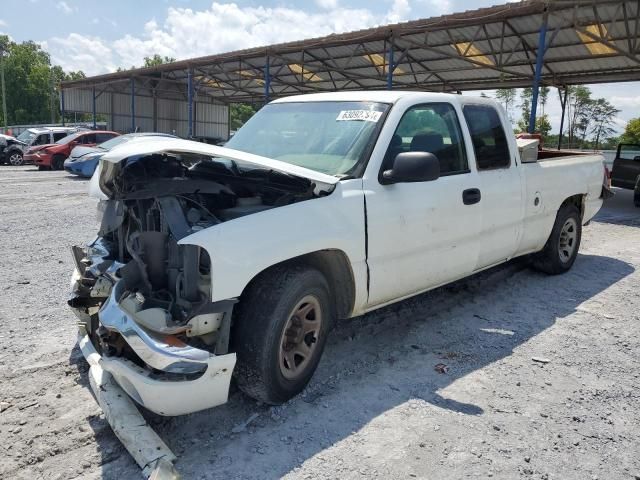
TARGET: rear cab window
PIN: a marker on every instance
(489, 140)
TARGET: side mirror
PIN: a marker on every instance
(412, 167)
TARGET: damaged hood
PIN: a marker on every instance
(178, 146)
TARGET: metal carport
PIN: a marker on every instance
(556, 43)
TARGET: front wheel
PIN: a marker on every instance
(636, 193)
(280, 330)
(58, 162)
(16, 159)
(561, 249)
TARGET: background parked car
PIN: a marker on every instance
(52, 156)
(84, 159)
(10, 150)
(41, 136)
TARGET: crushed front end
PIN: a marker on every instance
(143, 293)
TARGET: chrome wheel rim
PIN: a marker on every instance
(15, 159)
(300, 337)
(568, 240)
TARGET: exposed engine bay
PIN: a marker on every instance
(162, 290)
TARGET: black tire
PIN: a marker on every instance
(15, 158)
(554, 258)
(636, 193)
(258, 334)
(58, 162)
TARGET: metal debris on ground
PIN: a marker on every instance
(441, 368)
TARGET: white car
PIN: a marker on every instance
(240, 259)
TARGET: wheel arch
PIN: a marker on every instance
(336, 268)
(577, 201)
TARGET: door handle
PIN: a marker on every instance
(471, 196)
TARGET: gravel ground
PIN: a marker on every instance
(540, 380)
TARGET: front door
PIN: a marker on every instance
(421, 235)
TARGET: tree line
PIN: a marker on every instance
(589, 121)
(31, 83)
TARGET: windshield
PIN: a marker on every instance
(26, 136)
(328, 137)
(68, 138)
(109, 144)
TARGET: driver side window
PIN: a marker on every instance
(432, 128)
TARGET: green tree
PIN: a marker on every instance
(631, 132)
(239, 113)
(579, 105)
(543, 98)
(602, 114)
(157, 60)
(507, 96)
(31, 81)
(543, 126)
(525, 98)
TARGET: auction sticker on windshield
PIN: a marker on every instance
(362, 115)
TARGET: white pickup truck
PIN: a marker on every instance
(212, 261)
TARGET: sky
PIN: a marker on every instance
(98, 36)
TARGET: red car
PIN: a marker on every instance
(53, 155)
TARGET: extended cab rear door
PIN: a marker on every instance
(500, 183)
(422, 234)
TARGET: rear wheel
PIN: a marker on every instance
(280, 331)
(561, 249)
(636, 193)
(15, 159)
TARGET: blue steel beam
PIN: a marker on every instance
(133, 105)
(93, 97)
(542, 36)
(390, 67)
(190, 102)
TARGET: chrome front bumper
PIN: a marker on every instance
(166, 396)
(154, 349)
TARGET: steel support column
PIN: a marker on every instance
(93, 98)
(133, 105)
(538, 74)
(190, 102)
(267, 81)
(563, 102)
(62, 104)
(4, 92)
(390, 67)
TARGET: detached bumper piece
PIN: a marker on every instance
(148, 450)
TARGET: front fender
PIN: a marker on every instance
(242, 248)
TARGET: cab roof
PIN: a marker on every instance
(383, 96)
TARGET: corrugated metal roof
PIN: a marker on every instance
(587, 41)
